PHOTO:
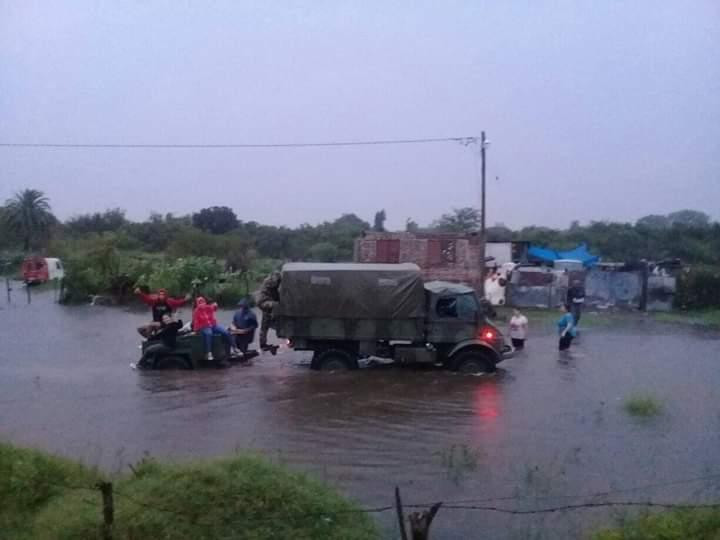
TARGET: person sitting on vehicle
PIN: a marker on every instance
(160, 304)
(163, 340)
(205, 323)
(243, 326)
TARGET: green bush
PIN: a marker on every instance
(177, 276)
(29, 481)
(239, 497)
(642, 405)
(675, 525)
(10, 263)
(228, 289)
(698, 287)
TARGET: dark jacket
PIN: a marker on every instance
(168, 333)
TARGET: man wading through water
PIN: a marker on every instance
(576, 299)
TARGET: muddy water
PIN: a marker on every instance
(545, 431)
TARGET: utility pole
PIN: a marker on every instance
(483, 144)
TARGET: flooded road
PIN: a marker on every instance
(545, 431)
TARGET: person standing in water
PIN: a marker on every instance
(518, 329)
(566, 328)
(576, 299)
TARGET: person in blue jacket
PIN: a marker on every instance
(243, 327)
(566, 328)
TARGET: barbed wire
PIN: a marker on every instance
(449, 505)
(567, 507)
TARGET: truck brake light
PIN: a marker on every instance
(488, 334)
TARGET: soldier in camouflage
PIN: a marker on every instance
(267, 299)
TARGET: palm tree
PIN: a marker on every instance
(28, 214)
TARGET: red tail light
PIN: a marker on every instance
(488, 333)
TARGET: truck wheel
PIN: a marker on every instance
(171, 362)
(472, 362)
(333, 360)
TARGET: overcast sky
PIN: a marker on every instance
(596, 110)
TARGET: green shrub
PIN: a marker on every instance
(698, 287)
(642, 405)
(30, 480)
(675, 525)
(239, 497)
(177, 276)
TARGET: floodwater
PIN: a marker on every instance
(546, 430)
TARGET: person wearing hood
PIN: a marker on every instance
(243, 326)
(205, 323)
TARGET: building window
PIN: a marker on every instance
(387, 251)
(441, 252)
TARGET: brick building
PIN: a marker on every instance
(443, 256)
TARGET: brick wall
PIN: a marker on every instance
(456, 258)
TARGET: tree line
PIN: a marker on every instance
(28, 224)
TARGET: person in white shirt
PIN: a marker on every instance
(518, 329)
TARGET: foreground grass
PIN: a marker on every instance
(642, 405)
(708, 317)
(675, 525)
(45, 497)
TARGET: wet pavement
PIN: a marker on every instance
(545, 431)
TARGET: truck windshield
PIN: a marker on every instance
(463, 307)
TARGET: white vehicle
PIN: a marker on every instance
(42, 269)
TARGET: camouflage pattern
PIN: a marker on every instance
(267, 298)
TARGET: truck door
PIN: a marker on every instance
(454, 318)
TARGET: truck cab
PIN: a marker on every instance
(458, 328)
(346, 312)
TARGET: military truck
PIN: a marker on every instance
(344, 312)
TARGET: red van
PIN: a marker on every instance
(41, 269)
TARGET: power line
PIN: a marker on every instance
(460, 140)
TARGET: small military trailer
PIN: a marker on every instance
(189, 353)
(344, 312)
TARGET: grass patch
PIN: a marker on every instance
(675, 525)
(642, 406)
(706, 317)
(459, 460)
(547, 317)
(245, 497)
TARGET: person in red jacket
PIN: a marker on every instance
(160, 304)
(205, 323)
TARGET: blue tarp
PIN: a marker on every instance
(580, 253)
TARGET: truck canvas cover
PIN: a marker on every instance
(352, 291)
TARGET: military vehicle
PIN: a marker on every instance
(345, 312)
(189, 353)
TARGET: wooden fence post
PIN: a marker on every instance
(420, 522)
(106, 488)
(400, 514)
